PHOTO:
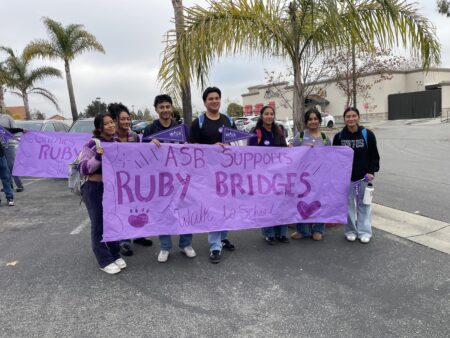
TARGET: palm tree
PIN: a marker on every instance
(186, 87)
(18, 76)
(2, 89)
(65, 43)
(293, 29)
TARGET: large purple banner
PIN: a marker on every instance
(45, 154)
(178, 189)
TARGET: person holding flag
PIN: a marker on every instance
(207, 129)
(164, 109)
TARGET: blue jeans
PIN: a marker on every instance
(307, 229)
(359, 215)
(165, 241)
(6, 178)
(278, 230)
(215, 239)
(10, 153)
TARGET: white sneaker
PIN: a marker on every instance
(364, 239)
(189, 251)
(120, 263)
(163, 256)
(111, 269)
(350, 237)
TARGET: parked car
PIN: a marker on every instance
(138, 128)
(43, 125)
(248, 123)
(83, 126)
(327, 120)
(242, 121)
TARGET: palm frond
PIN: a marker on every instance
(40, 73)
(45, 93)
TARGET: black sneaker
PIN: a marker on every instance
(19, 189)
(282, 239)
(270, 240)
(143, 241)
(125, 249)
(214, 256)
(227, 245)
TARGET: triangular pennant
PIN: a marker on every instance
(175, 134)
(231, 135)
(5, 135)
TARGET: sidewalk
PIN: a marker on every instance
(419, 229)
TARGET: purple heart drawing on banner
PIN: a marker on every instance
(231, 135)
(307, 209)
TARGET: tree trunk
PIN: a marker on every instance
(2, 100)
(27, 105)
(354, 103)
(73, 105)
(185, 87)
(298, 97)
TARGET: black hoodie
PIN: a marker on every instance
(366, 159)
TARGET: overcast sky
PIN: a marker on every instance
(132, 34)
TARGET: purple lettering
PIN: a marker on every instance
(248, 157)
(54, 156)
(275, 185)
(151, 192)
(263, 179)
(290, 184)
(236, 182)
(225, 153)
(185, 151)
(198, 158)
(123, 186)
(171, 156)
(165, 184)
(250, 185)
(307, 185)
(220, 184)
(67, 154)
(43, 151)
(185, 183)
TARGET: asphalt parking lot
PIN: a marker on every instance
(389, 288)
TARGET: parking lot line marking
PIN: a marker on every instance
(33, 181)
(80, 228)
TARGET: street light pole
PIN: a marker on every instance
(97, 100)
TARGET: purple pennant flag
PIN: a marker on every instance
(175, 134)
(231, 135)
(5, 135)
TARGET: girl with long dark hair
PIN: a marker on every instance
(270, 134)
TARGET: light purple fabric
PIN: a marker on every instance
(178, 189)
(46, 154)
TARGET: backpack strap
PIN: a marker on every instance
(97, 142)
(258, 134)
(324, 138)
(364, 134)
(201, 120)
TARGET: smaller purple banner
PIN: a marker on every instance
(5, 135)
(175, 134)
(47, 154)
(231, 135)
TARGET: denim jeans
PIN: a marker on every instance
(215, 239)
(165, 241)
(278, 230)
(359, 215)
(10, 153)
(6, 178)
(307, 229)
(105, 252)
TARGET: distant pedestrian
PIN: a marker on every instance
(9, 147)
(366, 162)
(122, 117)
(5, 174)
(311, 137)
(270, 134)
(106, 253)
